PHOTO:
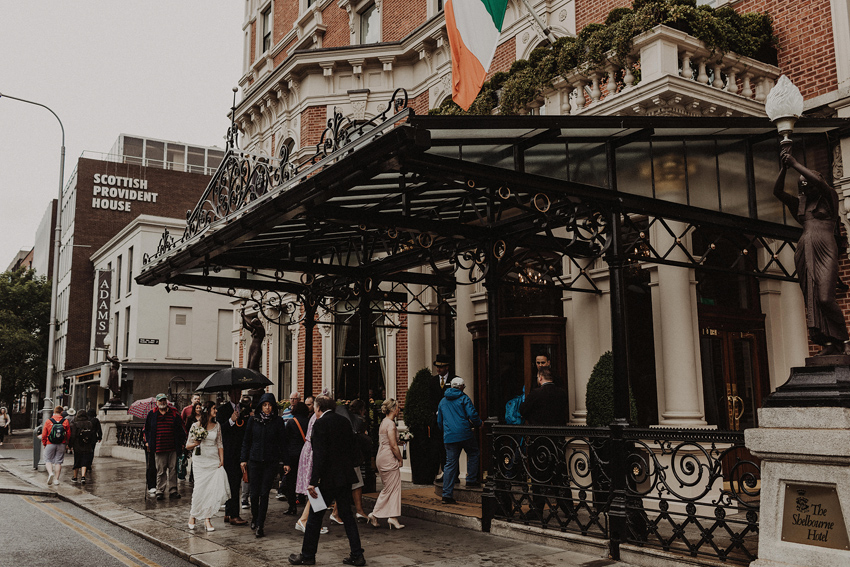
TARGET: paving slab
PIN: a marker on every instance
(436, 535)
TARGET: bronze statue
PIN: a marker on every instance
(113, 384)
(816, 258)
(258, 333)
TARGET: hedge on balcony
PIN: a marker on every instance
(722, 30)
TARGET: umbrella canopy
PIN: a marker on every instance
(230, 378)
(141, 408)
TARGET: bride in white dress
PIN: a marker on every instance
(211, 489)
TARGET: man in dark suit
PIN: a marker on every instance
(333, 474)
(439, 383)
(546, 405)
(231, 417)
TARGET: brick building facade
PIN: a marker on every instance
(322, 55)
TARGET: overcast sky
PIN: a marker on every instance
(157, 68)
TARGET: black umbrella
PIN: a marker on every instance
(229, 378)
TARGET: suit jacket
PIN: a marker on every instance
(436, 395)
(232, 436)
(546, 405)
(333, 452)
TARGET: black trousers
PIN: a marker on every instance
(342, 496)
(234, 479)
(261, 476)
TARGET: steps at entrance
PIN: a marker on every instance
(461, 493)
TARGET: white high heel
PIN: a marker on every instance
(394, 524)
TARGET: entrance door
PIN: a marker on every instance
(732, 377)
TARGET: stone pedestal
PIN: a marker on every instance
(109, 423)
(805, 483)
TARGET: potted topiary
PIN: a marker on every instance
(600, 413)
(419, 418)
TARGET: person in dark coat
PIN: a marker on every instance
(546, 405)
(334, 455)
(232, 416)
(263, 449)
(83, 440)
(440, 382)
(164, 436)
(296, 430)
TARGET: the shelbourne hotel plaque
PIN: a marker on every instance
(812, 516)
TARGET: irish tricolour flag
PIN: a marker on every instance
(473, 27)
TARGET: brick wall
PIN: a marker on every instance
(284, 53)
(806, 47)
(503, 58)
(338, 33)
(285, 15)
(176, 191)
(253, 42)
(596, 11)
(419, 103)
(401, 17)
(401, 361)
(314, 120)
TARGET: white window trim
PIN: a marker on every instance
(268, 5)
(356, 7)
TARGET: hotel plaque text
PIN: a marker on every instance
(812, 516)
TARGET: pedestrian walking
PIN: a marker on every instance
(456, 416)
(232, 417)
(164, 436)
(83, 440)
(296, 436)
(54, 438)
(388, 461)
(211, 489)
(263, 449)
(332, 475)
(5, 424)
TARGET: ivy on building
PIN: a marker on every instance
(723, 30)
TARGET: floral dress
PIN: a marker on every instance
(305, 463)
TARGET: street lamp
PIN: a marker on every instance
(47, 411)
(784, 105)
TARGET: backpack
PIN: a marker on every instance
(86, 434)
(512, 415)
(57, 432)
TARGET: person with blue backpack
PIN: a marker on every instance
(54, 437)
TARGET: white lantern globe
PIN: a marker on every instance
(784, 105)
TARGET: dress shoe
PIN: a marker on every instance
(254, 525)
(160, 496)
(360, 516)
(373, 521)
(298, 559)
(237, 521)
(191, 526)
(394, 524)
(261, 532)
(358, 560)
(293, 511)
(227, 519)
(174, 495)
(337, 522)
(449, 500)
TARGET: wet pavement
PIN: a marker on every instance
(116, 492)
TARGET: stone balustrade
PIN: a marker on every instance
(677, 75)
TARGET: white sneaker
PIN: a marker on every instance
(56, 482)
(50, 478)
(152, 491)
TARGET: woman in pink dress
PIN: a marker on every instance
(388, 462)
(305, 469)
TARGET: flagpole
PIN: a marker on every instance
(549, 36)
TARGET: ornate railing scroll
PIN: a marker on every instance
(694, 492)
(130, 435)
(688, 491)
(553, 477)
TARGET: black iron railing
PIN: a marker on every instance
(130, 435)
(689, 491)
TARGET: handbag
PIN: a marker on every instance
(245, 476)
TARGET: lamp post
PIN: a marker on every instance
(47, 411)
(784, 105)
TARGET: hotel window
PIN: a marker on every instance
(129, 270)
(118, 280)
(266, 19)
(370, 25)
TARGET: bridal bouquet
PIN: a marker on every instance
(404, 437)
(199, 433)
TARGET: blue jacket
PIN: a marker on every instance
(456, 416)
(265, 441)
